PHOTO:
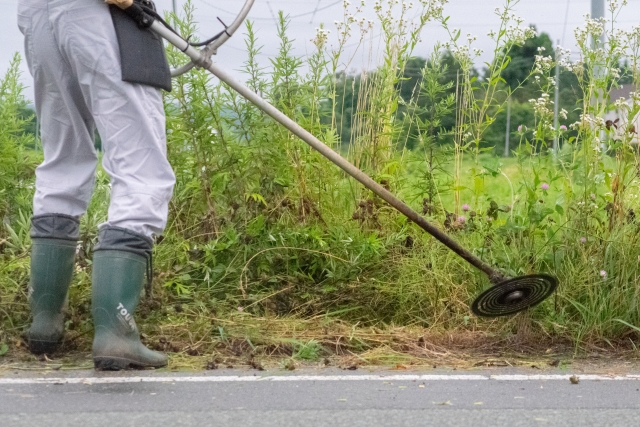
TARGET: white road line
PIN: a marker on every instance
(231, 379)
(291, 378)
(564, 377)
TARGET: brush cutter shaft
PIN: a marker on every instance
(326, 151)
(213, 47)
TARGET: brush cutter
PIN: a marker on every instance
(507, 296)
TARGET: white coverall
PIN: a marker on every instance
(73, 56)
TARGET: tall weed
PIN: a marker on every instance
(261, 225)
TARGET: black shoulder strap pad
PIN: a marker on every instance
(142, 55)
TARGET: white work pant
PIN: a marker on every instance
(73, 56)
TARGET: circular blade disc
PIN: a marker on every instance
(514, 295)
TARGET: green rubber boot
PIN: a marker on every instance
(53, 254)
(52, 264)
(118, 278)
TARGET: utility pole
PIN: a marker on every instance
(506, 140)
(597, 10)
(556, 105)
(175, 7)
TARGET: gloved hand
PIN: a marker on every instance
(122, 4)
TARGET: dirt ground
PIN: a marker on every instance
(402, 353)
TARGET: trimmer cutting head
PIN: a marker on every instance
(514, 295)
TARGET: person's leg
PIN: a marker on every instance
(64, 181)
(130, 120)
(129, 117)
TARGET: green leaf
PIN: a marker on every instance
(256, 226)
(257, 198)
(478, 184)
(4, 348)
(635, 328)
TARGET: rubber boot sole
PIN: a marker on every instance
(120, 364)
(39, 347)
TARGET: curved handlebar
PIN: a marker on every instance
(212, 48)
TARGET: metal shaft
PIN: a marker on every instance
(327, 152)
(213, 47)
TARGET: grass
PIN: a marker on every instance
(272, 254)
(503, 187)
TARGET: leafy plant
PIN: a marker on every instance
(15, 165)
(311, 350)
(262, 228)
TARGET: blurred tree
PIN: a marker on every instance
(515, 76)
(522, 61)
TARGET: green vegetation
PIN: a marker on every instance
(271, 248)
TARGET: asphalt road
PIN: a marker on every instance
(317, 398)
